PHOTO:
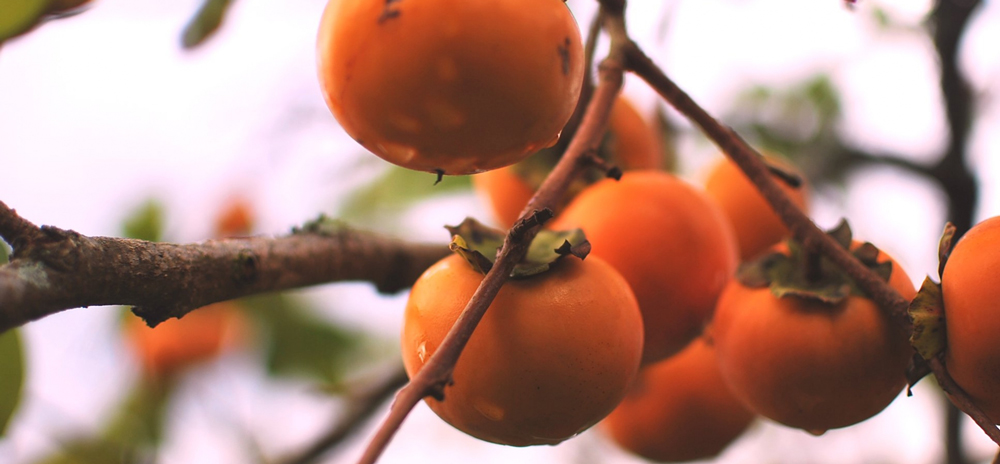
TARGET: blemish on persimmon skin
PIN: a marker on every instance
(388, 12)
(564, 56)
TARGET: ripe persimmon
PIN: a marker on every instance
(451, 87)
(631, 144)
(812, 364)
(970, 291)
(679, 409)
(756, 225)
(669, 241)
(552, 356)
(175, 344)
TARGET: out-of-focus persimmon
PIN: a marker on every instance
(756, 225)
(552, 356)
(679, 409)
(669, 241)
(970, 286)
(176, 344)
(451, 87)
(631, 144)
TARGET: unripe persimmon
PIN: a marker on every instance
(970, 287)
(679, 409)
(807, 363)
(669, 241)
(631, 144)
(755, 223)
(451, 87)
(552, 356)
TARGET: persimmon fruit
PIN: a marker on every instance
(970, 287)
(176, 344)
(669, 241)
(552, 356)
(755, 223)
(679, 409)
(451, 87)
(809, 364)
(632, 144)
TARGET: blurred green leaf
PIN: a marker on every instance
(11, 375)
(4, 252)
(299, 343)
(84, 451)
(145, 222)
(205, 22)
(397, 189)
(19, 16)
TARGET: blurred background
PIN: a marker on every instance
(108, 126)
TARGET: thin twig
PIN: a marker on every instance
(360, 407)
(435, 375)
(52, 269)
(753, 165)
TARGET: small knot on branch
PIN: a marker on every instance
(593, 159)
(536, 218)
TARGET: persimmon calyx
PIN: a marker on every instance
(478, 245)
(926, 311)
(792, 271)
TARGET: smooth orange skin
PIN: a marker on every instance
(756, 225)
(679, 409)
(669, 241)
(451, 85)
(551, 357)
(236, 220)
(636, 145)
(971, 291)
(809, 365)
(176, 344)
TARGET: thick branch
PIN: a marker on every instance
(52, 269)
(435, 375)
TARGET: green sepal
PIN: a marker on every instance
(478, 245)
(205, 22)
(926, 311)
(816, 278)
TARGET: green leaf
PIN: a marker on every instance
(19, 16)
(145, 222)
(297, 343)
(4, 252)
(11, 375)
(205, 22)
(397, 189)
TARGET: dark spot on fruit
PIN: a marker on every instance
(388, 12)
(564, 55)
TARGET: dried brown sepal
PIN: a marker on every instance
(842, 234)
(797, 273)
(945, 244)
(918, 369)
(927, 313)
(478, 245)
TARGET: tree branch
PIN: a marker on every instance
(52, 269)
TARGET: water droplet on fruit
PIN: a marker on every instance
(490, 411)
(397, 152)
(553, 141)
(816, 432)
(404, 123)
(444, 115)
(422, 352)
